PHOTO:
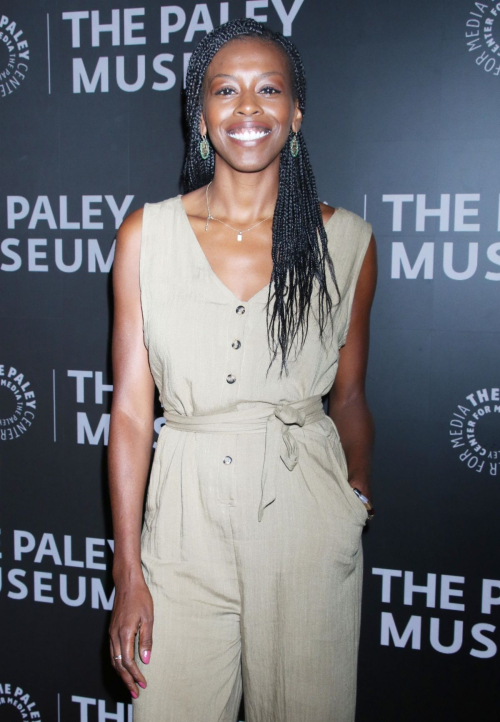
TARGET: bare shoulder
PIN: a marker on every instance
(131, 228)
(326, 211)
(128, 247)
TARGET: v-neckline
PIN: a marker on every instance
(207, 263)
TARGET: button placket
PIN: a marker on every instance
(237, 321)
(236, 332)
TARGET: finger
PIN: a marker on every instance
(146, 640)
(112, 654)
(114, 649)
(127, 678)
(116, 661)
(121, 664)
(127, 638)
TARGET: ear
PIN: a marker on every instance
(203, 125)
(297, 118)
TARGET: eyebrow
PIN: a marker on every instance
(262, 75)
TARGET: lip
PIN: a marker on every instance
(241, 127)
(248, 126)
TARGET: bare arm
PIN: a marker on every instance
(347, 401)
(129, 455)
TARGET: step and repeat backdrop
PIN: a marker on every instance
(402, 125)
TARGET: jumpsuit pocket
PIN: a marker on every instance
(340, 461)
(161, 538)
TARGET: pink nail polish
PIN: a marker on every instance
(134, 694)
(141, 684)
(146, 656)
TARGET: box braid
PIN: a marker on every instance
(298, 258)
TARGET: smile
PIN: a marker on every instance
(248, 134)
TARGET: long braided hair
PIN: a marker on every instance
(298, 258)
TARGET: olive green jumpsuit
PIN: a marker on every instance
(251, 544)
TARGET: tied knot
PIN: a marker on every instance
(289, 415)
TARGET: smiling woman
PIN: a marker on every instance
(265, 89)
(249, 557)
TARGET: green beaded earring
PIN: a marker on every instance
(294, 146)
(204, 147)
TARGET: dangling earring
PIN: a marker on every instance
(294, 146)
(204, 147)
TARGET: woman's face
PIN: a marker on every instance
(248, 107)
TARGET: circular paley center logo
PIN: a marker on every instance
(482, 35)
(475, 431)
(14, 56)
(16, 704)
(17, 403)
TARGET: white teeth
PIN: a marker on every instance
(249, 134)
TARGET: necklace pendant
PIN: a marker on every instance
(239, 237)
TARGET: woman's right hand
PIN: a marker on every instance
(132, 614)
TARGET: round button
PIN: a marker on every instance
(227, 460)
(230, 378)
(236, 343)
(240, 309)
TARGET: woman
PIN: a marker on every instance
(242, 300)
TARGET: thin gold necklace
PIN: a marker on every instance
(210, 217)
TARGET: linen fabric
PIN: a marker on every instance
(251, 544)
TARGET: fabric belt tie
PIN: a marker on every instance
(273, 420)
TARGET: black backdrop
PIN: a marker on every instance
(402, 125)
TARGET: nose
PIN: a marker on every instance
(248, 103)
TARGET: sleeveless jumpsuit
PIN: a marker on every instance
(251, 543)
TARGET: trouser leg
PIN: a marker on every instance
(301, 571)
(300, 634)
(188, 561)
(195, 670)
